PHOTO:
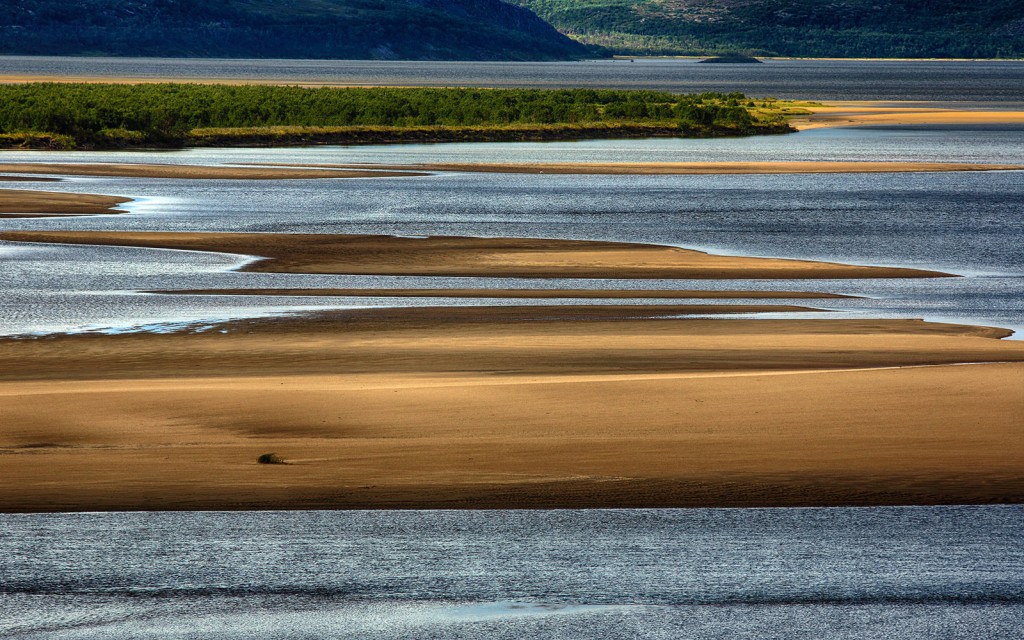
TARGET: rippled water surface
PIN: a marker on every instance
(704, 573)
(820, 79)
(962, 223)
(885, 573)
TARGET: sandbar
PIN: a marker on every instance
(462, 256)
(192, 172)
(681, 168)
(859, 114)
(611, 294)
(16, 203)
(442, 408)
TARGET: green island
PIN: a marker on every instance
(110, 116)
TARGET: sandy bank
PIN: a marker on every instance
(32, 204)
(423, 408)
(513, 293)
(853, 114)
(682, 168)
(456, 256)
(191, 172)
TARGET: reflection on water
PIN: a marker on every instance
(940, 80)
(964, 223)
(944, 572)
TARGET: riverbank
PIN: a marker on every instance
(512, 408)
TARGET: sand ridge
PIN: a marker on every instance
(15, 203)
(676, 168)
(665, 294)
(859, 114)
(465, 256)
(192, 172)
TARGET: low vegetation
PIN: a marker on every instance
(57, 115)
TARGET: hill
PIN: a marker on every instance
(338, 29)
(802, 28)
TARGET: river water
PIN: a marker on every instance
(967, 224)
(950, 572)
(935, 80)
(886, 573)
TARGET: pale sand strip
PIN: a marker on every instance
(191, 172)
(455, 256)
(32, 204)
(611, 294)
(420, 409)
(677, 168)
(853, 114)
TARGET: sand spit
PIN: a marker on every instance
(859, 114)
(192, 172)
(459, 256)
(33, 204)
(679, 168)
(501, 409)
(542, 294)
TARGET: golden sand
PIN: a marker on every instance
(513, 408)
(32, 204)
(190, 172)
(456, 256)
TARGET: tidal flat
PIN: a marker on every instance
(507, 428)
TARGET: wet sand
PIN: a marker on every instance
(512, 407)
(33, 204)
(678, 168)
(608, 294)
(484, 257)
(191, 172)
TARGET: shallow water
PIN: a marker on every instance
(886, 573)
(963, 223)
(948, 572)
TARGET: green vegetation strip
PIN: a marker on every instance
(103, 116)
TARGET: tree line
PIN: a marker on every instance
(101, 115)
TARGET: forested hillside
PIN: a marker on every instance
(827, 28)
(355, 29)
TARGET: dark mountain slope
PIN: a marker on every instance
(830, 28)
(357, 29)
